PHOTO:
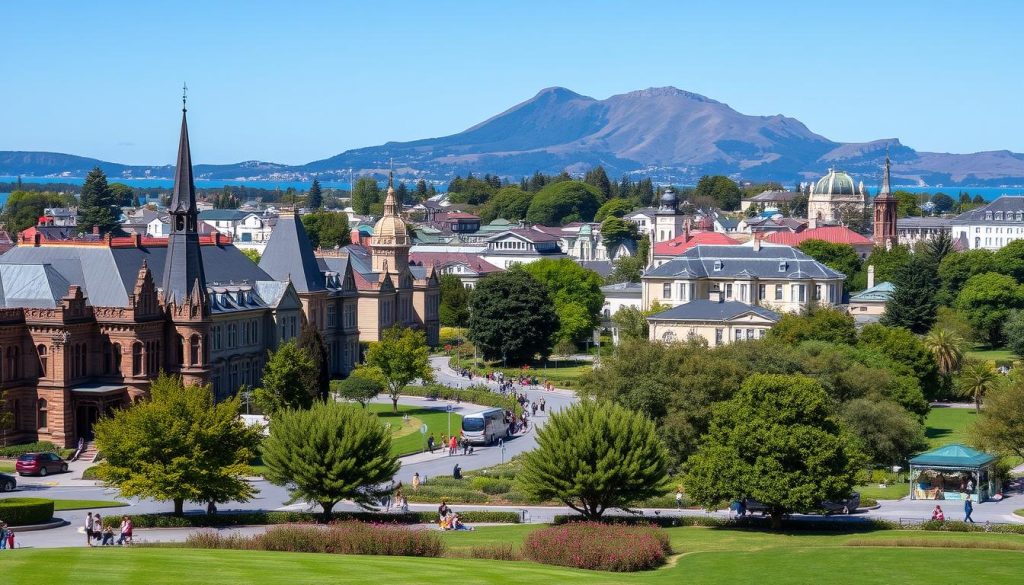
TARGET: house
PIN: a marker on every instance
(470, 268)
(768, 201)
(834, 234)
(715, 320)
(244, 227)
(62, 216)
(769, 224)
(665, 251)
(990, 227)
(583, 242)
(911, 230)
(643, 218)
(521, 246)
(617, 296)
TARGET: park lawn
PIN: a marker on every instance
(562, 373)
(405, 436)
(83, 504)
(947, 425)
(709, 556)
(6, 467)
(1001, 354)
(892, 491)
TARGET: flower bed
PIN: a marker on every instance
(260, 518)
(25, 511)
(598, 546)
(344, 538)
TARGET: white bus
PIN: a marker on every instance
(484, 427)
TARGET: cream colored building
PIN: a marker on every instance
(716, 321)
(833, 197)
(779, 278)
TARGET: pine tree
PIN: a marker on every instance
(97, 206)
(316, 197)
(312, 343)
(913, 303)
(421, 190)
(402, 193)
(598, 178)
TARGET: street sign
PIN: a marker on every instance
(423, 429)
(448, 408)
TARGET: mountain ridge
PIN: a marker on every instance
(665, 132)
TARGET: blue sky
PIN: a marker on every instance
(298, 81)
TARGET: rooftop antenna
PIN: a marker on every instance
(184, 97)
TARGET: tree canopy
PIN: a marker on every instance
(98, 205)
(986, 301)
(576, 292)
(285, 379)
(840, 257)
(180, 446)
(24, 208)
(318, 378)
(913, 301)
(365, 195)
(594, 456)
(454, 307)
(327, 229)
(315, 198)
(564, 202)
(723, 190)
(615, 231)
(512, 317)
(999, 427)
(511, 203)
(401, 357)
(329, 453)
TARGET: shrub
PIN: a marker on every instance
(262, 518)
(347, 538)
(26, 511)
(474, 395)
(598, 546)
(496, 552)
(91, 473)
(491, 485)
(37, 447)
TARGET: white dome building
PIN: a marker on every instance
(832, 195)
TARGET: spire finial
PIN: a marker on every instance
(184, 97)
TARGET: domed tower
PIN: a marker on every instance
(833, 192)
(389, 246)
(668, 222)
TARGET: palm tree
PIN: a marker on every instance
(947, 348)
(977, 378)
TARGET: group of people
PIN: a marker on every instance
(395, 498)
(452, 444)
(448, 519)
(940, 516)
(94, 529)
(6, 536)
(506, 384)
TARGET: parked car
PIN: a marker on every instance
(7, 483)
(846, 506)
(40, 464)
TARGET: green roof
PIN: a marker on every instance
(880, 293)
(953, 455)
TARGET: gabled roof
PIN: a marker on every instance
(31, 285)
(623, 288)
(773, 196)
(289, 254)
(704, 310)
(768, 262)
(530, 235)
(685, 241)
(1005, 203)
(835, 234)
(880, 293)
(472, 261)
(953, 455)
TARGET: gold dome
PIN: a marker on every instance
(390, 229)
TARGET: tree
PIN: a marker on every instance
(613, 208)
(285, 380)
(819, 324)
(956, 268)
(723, 190)
(122, 195)
(316, 196)
(1000, 427)
(365, 194)
(420, 192)
(913, 303)
(615, 231)
(907, 204)
(509, 203)
(576, 292)
(947, 349)
(986, 301)
(24, 208)
(454, 308)
(180, 446)
(888, 433)
(886, 263)
(564, 202)
(777, 441)
(632, 322)
(357, 388)
(512, 317)
(401, 357)
(327, 229)
(1009, 260)
(329, 453)
(840, 257)
(97, 206)
(626, 269)
(252, 254)
(942, 202)
(1013, 332)
(318, 379)
(976, 378)
(903, 347)
(594, 456)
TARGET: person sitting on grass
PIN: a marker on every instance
(938, 515)
(108, 535)
(457, 524)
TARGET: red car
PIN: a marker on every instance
(40, 464)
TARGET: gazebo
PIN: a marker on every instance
(952, 472)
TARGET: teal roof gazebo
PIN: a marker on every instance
(952, 472)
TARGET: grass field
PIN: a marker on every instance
(6, 467)
(991, 354)
(85, 504)
(405, 435)
(709, 556)
(562, 373)
(892, 491)
(947, 425)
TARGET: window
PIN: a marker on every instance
(999, 215)
(739, 335)
(750, 333)
(760, 333)
(41, 351)
(778, 292)
(232, 336)
(666, 291)
(718, 336)
(799, 293)
(216, 337)
(13, 358)
(332, 315)
(180, 347)
(682, 291)
(761, 292)
(718, 265)
(728, 290)
(41, 414)
(817, 292)
(116, 356)
(783, 265)
(744, 290)
(194, 351)
(137, 359)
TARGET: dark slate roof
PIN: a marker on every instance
(224, 215)
(699, 262)
(703, 310)
(773, 196)
(289, 254)
(602, 267)
(624, 288)
(924, 222)
(1010, 203)
(108, 275)
(31, 285)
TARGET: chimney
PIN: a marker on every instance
(757, 241)
(871, 276)
(715, 296)
(216, 238)
(95, 230)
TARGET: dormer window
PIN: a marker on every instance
(999, 215)
(718, 265)
(988, 215)
(783, 265)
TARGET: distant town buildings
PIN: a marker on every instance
(991, 226)
(832, 196)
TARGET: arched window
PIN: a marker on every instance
(137, 358)
(116, 355)
(194, 351)
(41, 350)
(41, 415)
(206, 349)
(180, 347)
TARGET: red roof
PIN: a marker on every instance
(474, 261)
(835, 234)
(460, 215)
(684, 242)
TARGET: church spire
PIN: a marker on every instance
(183, 266)
(391, 203)
(885, 190)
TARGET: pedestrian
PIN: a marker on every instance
(79, 449)
(679, 498)
(3, 535)
(10, 538)
(533, 407)
(108, 535)
(416, 479)
(97, 527)
(453, 444)
(968, 508)
(443, 509)
(542, 403)
(938, 515)
(126, 531)
(89, 523)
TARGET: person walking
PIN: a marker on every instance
(968, 509)
(430, 444)
(89, 523)
(3, 535)
(453, 444)
(10, 538)
(679, 498)
(126, 531)
(416, 480)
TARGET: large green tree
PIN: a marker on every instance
(97, 205)
(887, 432)
(723, 190)
(576, 292)
(357, 388)
(327, 229)
(986, 301)
(902, 347)
(818, 324)
(316, 196)
(512, 317)
(779, 442)
(286, 380)
(596, 177)
(365, 194)
(913, 301)
(23, 208)
(401, 357)
(454, 308)
(886, 263)
(615, 231)
(976, 379)
(999, 428)
(1009, 260)
(509, 203)
(564, 202)
(594, 456)
(627, 269)
(318, 379)
(617, 207)
(179, 446)
(329, 453)
(840, 257)
(956, 268)
(1013, 332)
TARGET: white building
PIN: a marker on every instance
(521, 246)
(617, 296)
(990, 227)
(246, 228)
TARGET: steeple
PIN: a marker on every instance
(183, 266)
(391, 203)
(885, 233)
(885, 190)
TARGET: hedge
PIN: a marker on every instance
(474, 395)
(814, 525)
(26, 511)
(37, 447)
(260, 518)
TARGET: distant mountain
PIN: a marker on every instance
(666, 132)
